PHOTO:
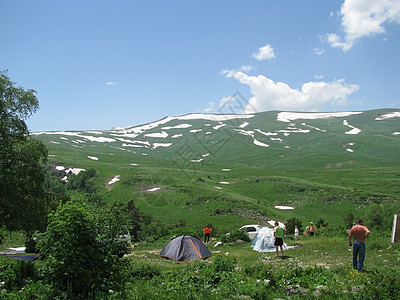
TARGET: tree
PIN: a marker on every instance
(291, 225)
(78, 248)
(22, 197)
(349, 221)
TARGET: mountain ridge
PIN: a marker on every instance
(248, 138)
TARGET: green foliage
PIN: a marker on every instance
(23, 203)
(184, 231)
(380, 216)
(234, 236)
(14, 273)
(349, 221)
(332, 231)
(134, 271)
(291, 225)
(223, 280)
(224, 263)
(78, 256)
(83, 182)
(321, 223)
(153, 231)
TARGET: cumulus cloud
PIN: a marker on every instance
(111, 83)
(264, 53)
(361, 18)
(313, 96)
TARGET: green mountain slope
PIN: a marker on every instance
(232, 169)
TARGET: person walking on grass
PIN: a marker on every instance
(279, 233)
(359, 233)
(207, 231)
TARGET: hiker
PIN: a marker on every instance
(312, 229)
(296, 232)
(359, 233)
(207, 232)
(279, 233)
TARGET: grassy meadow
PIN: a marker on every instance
(224, 180)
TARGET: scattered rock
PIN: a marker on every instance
(218, 244)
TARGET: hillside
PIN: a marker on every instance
(231, 169)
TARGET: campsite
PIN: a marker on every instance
(98, 190)
(209, 150)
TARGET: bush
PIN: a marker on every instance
(233, 237)
(184, 231)
(383, 285)
(78, 258)
(224, 263)
(332, 231)
(291, 225)
(15, 273)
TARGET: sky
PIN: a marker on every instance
(99, 64)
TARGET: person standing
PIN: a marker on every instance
(312, 229)
(296, 232)
(359, 233)
(207, 231)
(279, 233)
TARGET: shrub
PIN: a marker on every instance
(224, 263)
(291, 225)
(184, 231)
(15, 273)
(383, 284)
(332, 231)
(236, 235)
(78, 260)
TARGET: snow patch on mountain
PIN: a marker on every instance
(258, 143)
(115, 179)
(165, 145)
(354, 130)
(291, 116)
(391, 115)
(208, 117)
(162, 134)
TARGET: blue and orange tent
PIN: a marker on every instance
(185, 248)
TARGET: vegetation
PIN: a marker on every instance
(79, 223)
(23, 202)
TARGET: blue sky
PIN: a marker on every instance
(96, 64)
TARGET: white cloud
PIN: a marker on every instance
(318, 51)
(210, 107)
(224, 101)
(361, 18)
(264, 53)
(313, 96)
(230, 73)
(111, 82)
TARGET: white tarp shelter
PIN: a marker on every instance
(264, 241)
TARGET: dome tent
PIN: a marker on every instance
(185, 248)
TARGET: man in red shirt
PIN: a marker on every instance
(360, 233)
(207, 232)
